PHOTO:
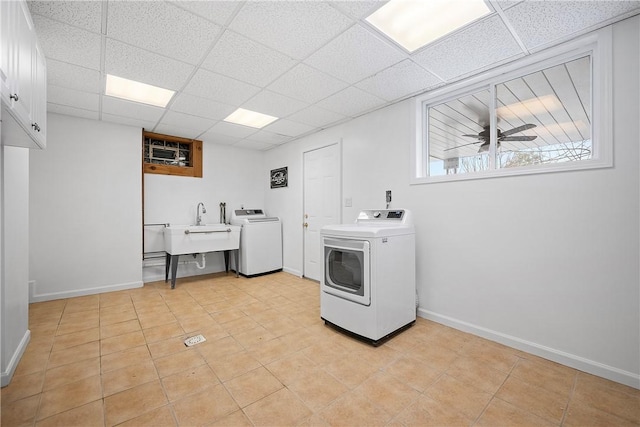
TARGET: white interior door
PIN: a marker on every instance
(321, 202)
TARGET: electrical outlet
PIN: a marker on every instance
(348, 202)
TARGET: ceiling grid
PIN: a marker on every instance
(312, 63)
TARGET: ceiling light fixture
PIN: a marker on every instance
(413, 24)
(250, 118)
(132, 90)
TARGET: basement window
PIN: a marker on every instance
(171, 155)
(549, 112)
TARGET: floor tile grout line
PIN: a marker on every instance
(571, 393)
(286, 314)
(495, 394)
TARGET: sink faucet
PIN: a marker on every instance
(198, 216)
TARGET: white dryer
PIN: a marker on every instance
(368, 285)
(260, 241)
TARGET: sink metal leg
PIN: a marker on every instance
(236, 253)
(174, 270)
(226, 261)
(167, 263)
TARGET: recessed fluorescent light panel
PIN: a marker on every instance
(415, 23)
(249, 118)
(137, 92)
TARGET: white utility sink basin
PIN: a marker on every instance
(192, 239)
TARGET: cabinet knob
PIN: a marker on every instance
(14, 96)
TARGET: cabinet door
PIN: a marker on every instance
(24, 56)
(39, 105)
(6, 62)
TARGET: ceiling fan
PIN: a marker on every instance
(484, 137)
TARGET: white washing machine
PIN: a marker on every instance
(368, 284)
(260, 241)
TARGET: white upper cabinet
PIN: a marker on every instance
(23, 78)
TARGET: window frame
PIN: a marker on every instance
(598, 45)
(195, 170)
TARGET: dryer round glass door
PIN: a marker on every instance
(346, 274)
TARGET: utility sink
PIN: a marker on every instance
(192, 239)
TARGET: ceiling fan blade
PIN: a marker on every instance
(472, 136)
(519, 138)
(518, 129)
(463, 145)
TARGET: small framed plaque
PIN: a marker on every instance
(279, 177)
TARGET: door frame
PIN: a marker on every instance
(339, 195)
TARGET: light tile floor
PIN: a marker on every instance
(119, 359)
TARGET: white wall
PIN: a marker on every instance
(86, 209)
(15, 258)
(231, 175)
(545, 263)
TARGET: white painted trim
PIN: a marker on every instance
(296, 273)
(35, 297)
(567, 359)
(598, 44)
(5, 377)
(154, 278)
(160, 276)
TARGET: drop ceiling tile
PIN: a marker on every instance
(197, 124)
(354, 55)
(243, 59)
(73, 98)
(351, 102)
(274, 104)
(137, 64)
(233, 130)
(220, 88)
(215, 11)
(269, 137)
(506, 4)
(84, 14)
(179, 131)
(288, 128)
(201, 107)
(68, 44)
(253, 145)
(478, 46)
(120, 107)
(73, 76)
(294, 28)
(71, 111)
(358, 9)
(403, 79)
(307, 84)
(217, 138)
(316, 116)
(540, 23)
(163, 28)
(128, 121)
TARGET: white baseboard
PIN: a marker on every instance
(34, 296)
(292, 271)
(590, 366)
(5, 377)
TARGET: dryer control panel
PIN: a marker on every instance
(381, 216)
